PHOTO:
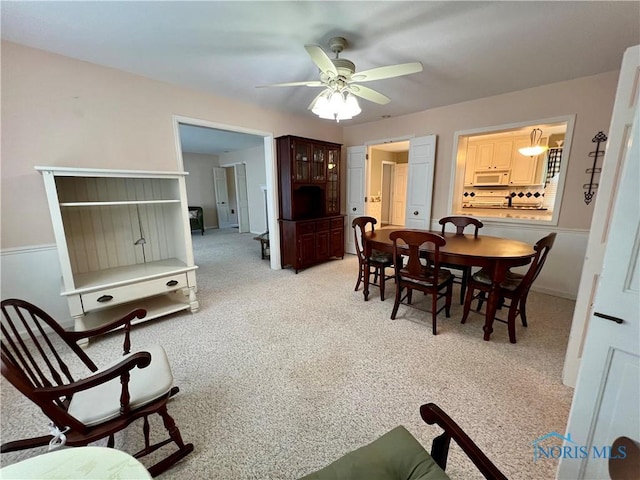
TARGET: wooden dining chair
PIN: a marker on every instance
(377, 263)
(461, 222)
(421, 272)
(38, 357)
(514, 288)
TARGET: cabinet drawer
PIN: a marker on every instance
(303, 228)
(322, 225)
(337, 222)
(127, 293)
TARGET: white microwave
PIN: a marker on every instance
(491, 178)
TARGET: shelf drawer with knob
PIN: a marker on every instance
(109, 297)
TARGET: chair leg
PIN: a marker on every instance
(466, 273)
(396, 302)
(174, 433)
(434, 310)
(448, 298)
(481, 299)
(360, 276)
(511, 322)
(382, 277)
(467, 305)
(523, 309)
(409, 292)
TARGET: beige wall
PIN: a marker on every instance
(65, 112)
(61, 111)
(589, 98)
(200, 185)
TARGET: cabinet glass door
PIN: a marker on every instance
(301, 169)
(318, 166)
(333, 185)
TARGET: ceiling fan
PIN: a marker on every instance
(338, 75)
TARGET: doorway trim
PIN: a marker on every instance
(270, 171)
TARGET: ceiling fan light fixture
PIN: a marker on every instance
(334, 105)
(352, 106)
(535, 148)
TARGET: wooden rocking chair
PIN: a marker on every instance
(95, 407)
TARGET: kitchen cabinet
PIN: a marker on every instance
(525, 170)
(311, 227)
(123, 240)
(470, 165)
(492, 155)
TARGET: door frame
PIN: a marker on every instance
(270, 171)
(388, 195)
(372, 144)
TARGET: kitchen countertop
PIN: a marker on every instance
(507, 213)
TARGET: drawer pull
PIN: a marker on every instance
(172, 283)
(105, 298)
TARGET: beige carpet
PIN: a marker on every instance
(281, 373)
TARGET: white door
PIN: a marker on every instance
(222, 197)
(621, 119)
(242, 199)
(387, 191)
(355, 191)
(605, 403)
(422, 151)
(399, 195)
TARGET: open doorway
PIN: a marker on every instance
(387, 182)
(247, 159)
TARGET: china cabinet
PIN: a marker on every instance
(311, 227)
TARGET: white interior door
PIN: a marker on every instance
(399, 194)
(242, 198)
(422, 151)
(356, 157)
(605, 403)
(222, 197)
(621, 120)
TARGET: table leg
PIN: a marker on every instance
(494, 298)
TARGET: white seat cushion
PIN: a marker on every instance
(102, 403)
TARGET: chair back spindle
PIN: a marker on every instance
(28, 342)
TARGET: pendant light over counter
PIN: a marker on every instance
(535, 148)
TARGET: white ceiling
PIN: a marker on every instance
(469, 49)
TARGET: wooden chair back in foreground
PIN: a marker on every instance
(426, 277)
(515, 287)
(397, 455)
(378, 261)
(461, 223)
(38, 357)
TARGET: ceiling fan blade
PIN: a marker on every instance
(314, 83)
(321, 59)
(390, 71)
(369, 94)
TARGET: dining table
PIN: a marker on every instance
(496, 255)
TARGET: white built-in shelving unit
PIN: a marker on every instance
(124, 242)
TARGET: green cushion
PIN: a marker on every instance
(396, 455)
